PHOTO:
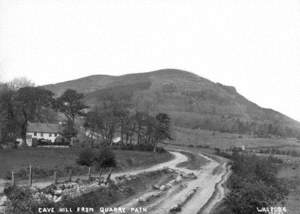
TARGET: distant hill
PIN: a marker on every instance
(192, 101)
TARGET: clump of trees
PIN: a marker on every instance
(135, 128)
(114, 117)
(21, 103)
(103, 159)
(70, 103)
(253, 184)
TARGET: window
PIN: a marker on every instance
(42, 134)
(55, 134)
(50, 135)
(34, 133)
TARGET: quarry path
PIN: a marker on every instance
(194, 196)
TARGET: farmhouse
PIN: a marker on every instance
(46, 131)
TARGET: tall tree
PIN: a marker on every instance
(70, 103)
(163, 128)
(8, 116)
(20, 82)
(29, 102)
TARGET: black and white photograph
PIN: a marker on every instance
(149, 107)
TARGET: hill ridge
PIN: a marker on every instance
(191, 100)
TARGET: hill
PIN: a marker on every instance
(192, 101)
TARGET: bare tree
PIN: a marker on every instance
(20, 82)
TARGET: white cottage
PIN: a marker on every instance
(46, 131)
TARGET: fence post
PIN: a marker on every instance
(89, 174)
(55, 178)
(70, 175)
(12, 178)
(30, 176)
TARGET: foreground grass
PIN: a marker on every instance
(63, 159)
(253, 184)
(22, 200)
(291, 172)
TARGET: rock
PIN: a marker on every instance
(58, 192)
(175, 208)
(169, 186)
(191, 175)
(155, 187)
(57, 199)
(178, 179)
(141, 200)
(3, 199)
(163, 188)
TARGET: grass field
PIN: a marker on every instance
(194, 161)
(55, 158)
(220, 140)
(291, 172)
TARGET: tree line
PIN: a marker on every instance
(24, 103)
(113, 116)
(259, 129)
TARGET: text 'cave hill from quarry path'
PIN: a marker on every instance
(190, 100)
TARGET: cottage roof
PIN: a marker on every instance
(43, 127)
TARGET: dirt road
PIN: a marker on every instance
(207, 190)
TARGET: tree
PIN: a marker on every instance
(86, 158)
(163, 128)
(29, 102)
(104, 159)
(8, 116)
(20, 82)
(70, 103)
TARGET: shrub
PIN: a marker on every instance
(86, 157)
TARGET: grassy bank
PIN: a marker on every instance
(290, 171)
(45, 159)
(23, 199)
(253, 184)
(194, 162)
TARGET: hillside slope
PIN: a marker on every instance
(192, 101)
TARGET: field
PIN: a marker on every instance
(220, 140)
(291, 172)
(194, 161)
(54, 158)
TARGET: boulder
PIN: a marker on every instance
(178, 178)
(163, 188)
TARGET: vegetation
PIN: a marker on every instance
(45, 160)
(194, 162)
(70, 103)
(113, 116)
(23, 198)
(21, 106)
(253, 184)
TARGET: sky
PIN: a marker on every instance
(253, 45)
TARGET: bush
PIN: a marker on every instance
(21, 200)
(86, 157)
(253, 183)
(105, 158)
